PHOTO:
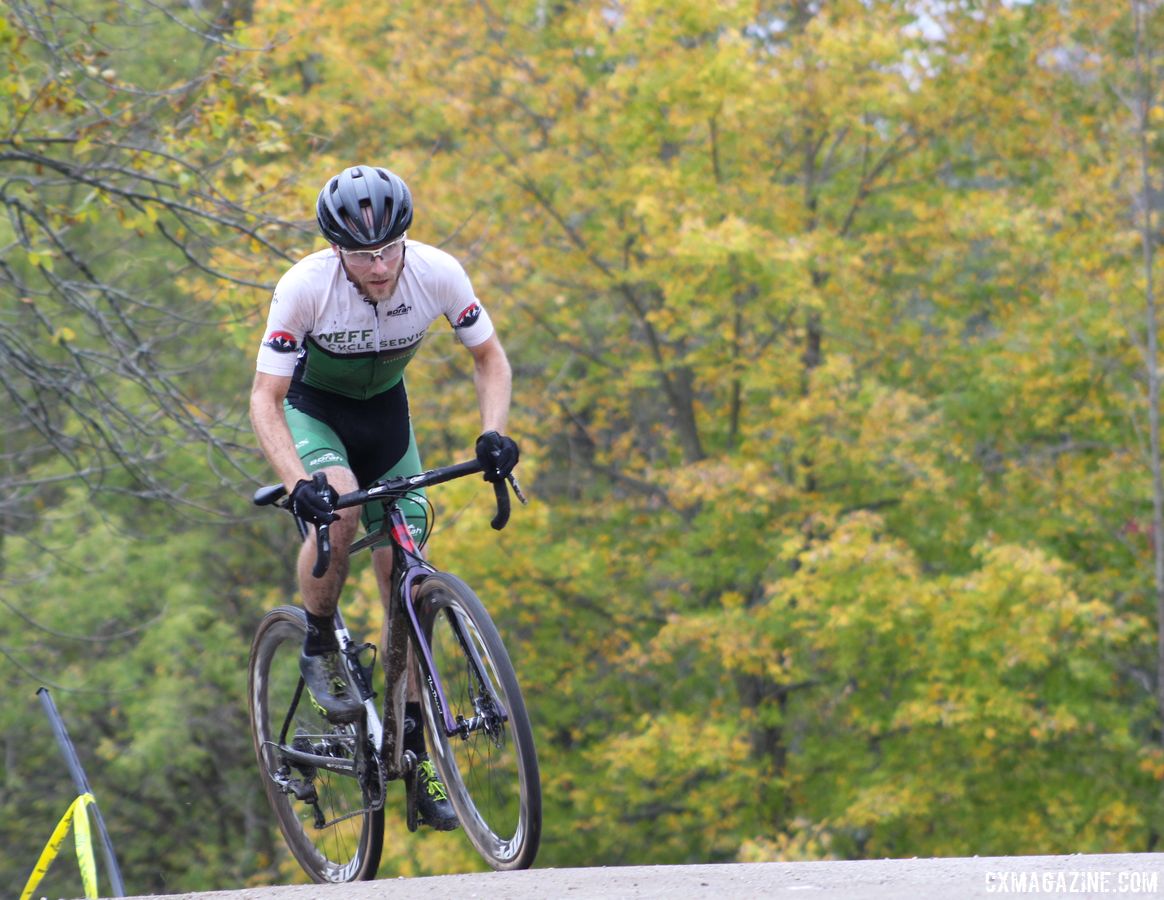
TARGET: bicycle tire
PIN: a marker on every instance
(491, 773)
(348, 847)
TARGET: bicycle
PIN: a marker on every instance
(326, 782)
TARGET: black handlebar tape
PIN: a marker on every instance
(501, 490)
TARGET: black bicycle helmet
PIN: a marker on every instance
(341, 204)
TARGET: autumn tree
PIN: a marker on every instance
(118, 192)
(781, 279)
(833, 385)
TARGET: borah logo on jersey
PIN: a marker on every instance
(280, 342)
(469, 316)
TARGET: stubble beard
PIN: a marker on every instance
(376, 292)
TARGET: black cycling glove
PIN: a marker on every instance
(314, 501)
(497, 454)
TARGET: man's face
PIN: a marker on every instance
(376, 271)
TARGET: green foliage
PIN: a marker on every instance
(146, 662)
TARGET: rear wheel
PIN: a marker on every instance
(489, 765)
(329, 821)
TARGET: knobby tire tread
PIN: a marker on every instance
(437, 592)
(286, 625)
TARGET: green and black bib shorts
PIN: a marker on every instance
(373, 437)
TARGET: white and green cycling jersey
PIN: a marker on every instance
(321, 329)
(347, 404)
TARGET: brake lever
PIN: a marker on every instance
(322, 551)
(322, 532)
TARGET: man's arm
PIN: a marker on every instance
(271, 429)
(494, 381)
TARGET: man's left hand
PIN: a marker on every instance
(498, 454)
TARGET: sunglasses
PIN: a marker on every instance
(365, 259)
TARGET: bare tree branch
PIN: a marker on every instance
(108, 366)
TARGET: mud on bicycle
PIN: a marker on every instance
(327, 782)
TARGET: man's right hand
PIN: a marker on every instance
(314, 501)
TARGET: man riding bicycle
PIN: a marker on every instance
(329, 397)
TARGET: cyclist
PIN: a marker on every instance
(329, 397)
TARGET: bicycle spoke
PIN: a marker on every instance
(332, 827)
(488, 764)
(326, 784)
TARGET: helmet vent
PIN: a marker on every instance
(364, 206)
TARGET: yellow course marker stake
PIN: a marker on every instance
(77, 814)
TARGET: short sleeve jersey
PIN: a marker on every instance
(322, 331)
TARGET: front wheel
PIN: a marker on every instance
(488, 763)
(331, 825)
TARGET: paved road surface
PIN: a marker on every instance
(1118, 875)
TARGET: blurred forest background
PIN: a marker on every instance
(834, 329)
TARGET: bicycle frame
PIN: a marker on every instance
(387, 733)
(475, 716)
